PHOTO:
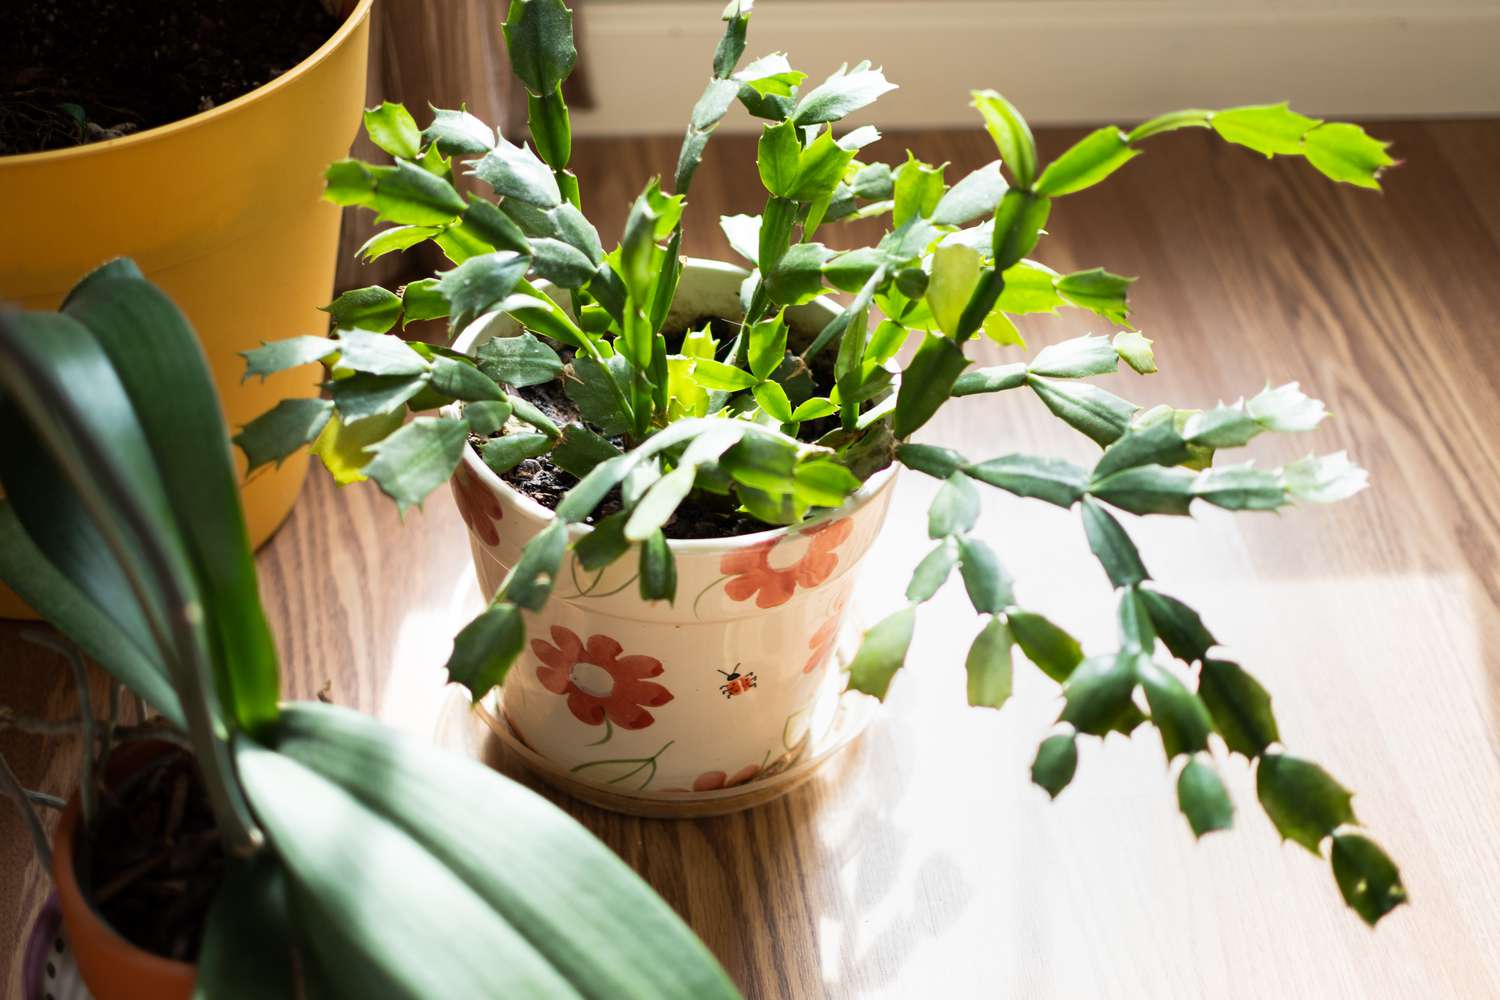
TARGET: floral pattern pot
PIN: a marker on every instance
(652, 702)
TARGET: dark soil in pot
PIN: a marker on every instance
(701, 515)
(152, 863)
(77, 71)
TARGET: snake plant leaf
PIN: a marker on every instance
(79, 616)
(479, 283)
(1112, 546)
(1030, 288)
(156, 357)
(1098, 414)
(996, 379)
(1202, 798)
(1098, 693)
(518, 361)
(773, 401)
(487, 416)
(421, 300)
(1302, 799)
(373, 308)
(1050, 480)
(1011, 134)
(1155, 444)
(988, 666)
(926, 383)
(1366, 876)
(955, 509)
(509, 450)
(378, 354)
(342, 446)
(1240, 707)
(1149, 489)
(393, 129)
(1178, 625)
(516, 172)
(974, 197)
(409, 195)
(417, 459)
(660, 502)
(539, 38)
(1135, 350)
(579, 450)
(281, 430)
(457, 133)
(462, 379)
(658, 570)
(1018, 223)
(560, 263)
(485, 649)
(1055, 652)
(935, 461)
(280, 355)
(987, 582)
(1345, 153)
(881, 653)
(932, 572)
(1269, 129)
(530, 581)
(1080, 357)
(588, 387)
(1055, 764)
(251, 906)
(1086, 162)
(843, 93)
(918, 188)
(1099, 291)
(583, 912)
(362, 397)
(1137, 633)
(1177, 713)
(1241, 487)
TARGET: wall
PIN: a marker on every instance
(1063, 61)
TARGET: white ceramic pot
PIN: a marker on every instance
(709, 703)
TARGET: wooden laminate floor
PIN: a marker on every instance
(923, 863)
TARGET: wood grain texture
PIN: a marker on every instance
(922, 862)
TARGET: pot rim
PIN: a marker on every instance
(69, 892)
(335, 41)
(692, 546)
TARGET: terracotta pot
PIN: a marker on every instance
(653, 703)
(112, 967)
(223, 210)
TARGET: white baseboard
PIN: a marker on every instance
(1062, 61)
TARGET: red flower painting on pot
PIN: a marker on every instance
(599, 682)
(478, 507)
(757, 572)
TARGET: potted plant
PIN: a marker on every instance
(601, 410)
(106, 150)
(312, 850)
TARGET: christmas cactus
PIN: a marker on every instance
(784, 429)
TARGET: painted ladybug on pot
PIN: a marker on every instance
(736, 683)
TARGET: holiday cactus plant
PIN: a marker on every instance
(779, 429)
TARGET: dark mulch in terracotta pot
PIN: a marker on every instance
(153, 861)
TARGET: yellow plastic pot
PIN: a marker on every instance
(223, 210)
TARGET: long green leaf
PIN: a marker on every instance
(578, 908)
(160, 364)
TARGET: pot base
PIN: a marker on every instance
(839, 724)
